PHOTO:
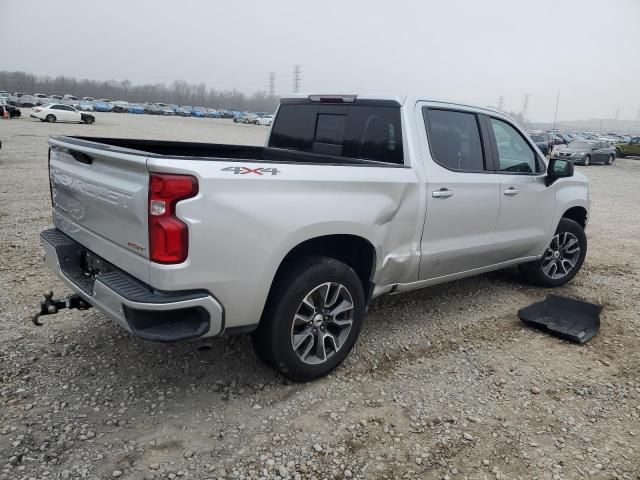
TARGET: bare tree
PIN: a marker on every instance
(179, 92)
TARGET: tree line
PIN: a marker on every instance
(179, 92)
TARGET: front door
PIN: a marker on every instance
(463, 193)
(526, 202)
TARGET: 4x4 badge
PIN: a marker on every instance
(248, 170)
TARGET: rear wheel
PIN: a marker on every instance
(50, 118)
(312, 319)
(610, 160)
(562, 259)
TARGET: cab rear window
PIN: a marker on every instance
(351, 131)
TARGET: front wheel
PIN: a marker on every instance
(610, 160)
(312, 319)
(562, 259)
(586, 161)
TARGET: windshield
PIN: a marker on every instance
(579, 145)
(537, 138)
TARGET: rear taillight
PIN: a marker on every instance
(168, 235)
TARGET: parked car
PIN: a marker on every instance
(265, 120)
(245, 117)
(58, 112)
(135, 108)
(164, 109)
(213, 113)
(26, 101)
(587, 152)
(88, 99)
(4, 95)
(292, 241)
(542, 141)
(102, 106)
(198, 112)
(632, 147)
(19, 94)
(120, 106)
(187, 108)
(40, 95)
(68, 96)
(55, 97)
(86, 106)
(184, 111)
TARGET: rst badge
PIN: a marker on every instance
(250, 171)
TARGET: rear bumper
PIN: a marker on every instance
(152, 315)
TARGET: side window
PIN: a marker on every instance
(455, 139)
(514, 153)
(635, 140)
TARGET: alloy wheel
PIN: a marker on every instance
(322, 323)
(561, 256)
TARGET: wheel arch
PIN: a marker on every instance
(354, 250)
(578, 214)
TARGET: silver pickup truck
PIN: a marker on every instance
(351, 198)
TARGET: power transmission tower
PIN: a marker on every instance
(272, 83)
(617, 114)
(500, 102)
(524, 107)
(296, 78)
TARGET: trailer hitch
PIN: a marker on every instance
(51, 306)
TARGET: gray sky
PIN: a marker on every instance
(465, 50)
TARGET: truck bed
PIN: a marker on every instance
(213, 151)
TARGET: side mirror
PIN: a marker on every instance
(559, 168)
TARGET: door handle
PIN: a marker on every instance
(442, 193)
(511, 191)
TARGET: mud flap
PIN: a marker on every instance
(566, 318)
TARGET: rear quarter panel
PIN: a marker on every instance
(241, 226)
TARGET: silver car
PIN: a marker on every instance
(351, 198)
(586, 152)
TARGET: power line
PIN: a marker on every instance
(296, 78)
(272, 83)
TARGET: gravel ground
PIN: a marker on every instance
(445, 383)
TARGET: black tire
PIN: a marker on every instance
(272, 341)
(587, 161)
(619, 154)
(50, 118)
(89, 120)
(533, 271)
(609, 160)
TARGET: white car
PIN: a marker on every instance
(266, 120)
(57, 112)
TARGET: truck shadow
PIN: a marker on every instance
(224, 361)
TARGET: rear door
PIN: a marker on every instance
(463, 192)
(100, 198)
(70, 114)
(526, 202)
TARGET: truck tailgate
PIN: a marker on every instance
(100, 198)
